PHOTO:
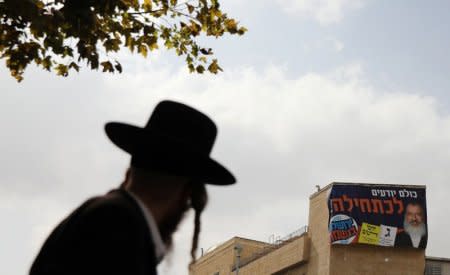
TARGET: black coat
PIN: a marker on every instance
(105, 235)
(403, 239)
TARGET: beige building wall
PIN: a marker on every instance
(369, 259)
(223, 258)
(319, 259)
(296, 270)
(293, 254)
(256, 258)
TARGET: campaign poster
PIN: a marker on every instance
(374, 214)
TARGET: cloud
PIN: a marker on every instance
(338, 45)
(324, 45)
(29, 221)
(280, 135)
(325, 12)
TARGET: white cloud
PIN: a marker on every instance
(338, 45)
(323, 11)
(324, 45)
(29, 221)
(281, 135)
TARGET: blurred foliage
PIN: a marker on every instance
(63, 35)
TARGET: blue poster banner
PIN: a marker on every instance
(378, 214)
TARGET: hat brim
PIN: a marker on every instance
(163, 152)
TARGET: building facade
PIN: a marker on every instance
(309, 251)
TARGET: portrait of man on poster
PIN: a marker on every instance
(415, 229)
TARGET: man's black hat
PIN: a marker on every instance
(177, 140)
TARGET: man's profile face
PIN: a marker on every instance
(177, 210)
(414, 214)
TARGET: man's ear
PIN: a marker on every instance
(187, 191)
(199, 196)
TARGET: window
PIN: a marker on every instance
(433, 269)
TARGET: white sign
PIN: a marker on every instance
(387, 235)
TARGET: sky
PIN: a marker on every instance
(317, 91)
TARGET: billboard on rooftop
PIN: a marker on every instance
(383, 215)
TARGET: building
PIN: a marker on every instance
(310, 250)
(437, 266)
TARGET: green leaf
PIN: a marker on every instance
(118, 67)
(147, 6)
(130, 42)
(62, 70)
(189, 59)
(191, 68)
(47, 63)
(200, 69)
(67, 52)
(206, 51)
(40, 4)
(143, 50)
(231, 26)
(107, 66)
(195, 28)
(152, 42)
(74, 66)
(214, 67)
(190, 8)
(242, 30)
(168, 44)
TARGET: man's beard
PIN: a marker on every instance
(415, 231)
(169, 225)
